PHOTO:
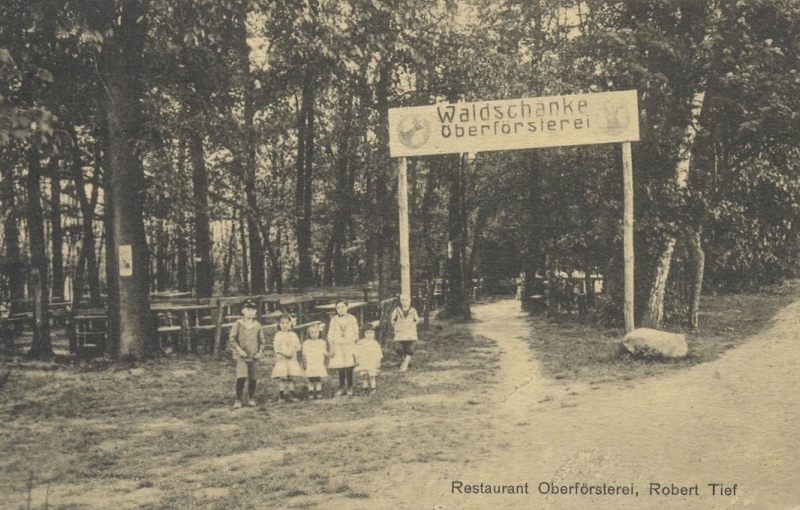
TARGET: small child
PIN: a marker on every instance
(286, 346)
(315, 350)
(404, 320)
(342, 336)
(247, 343)
(368, 361)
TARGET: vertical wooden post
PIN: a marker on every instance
(217, 347)
(627, 233)
(402, 202)
(38, 306)
(184, 336)
(259, 307)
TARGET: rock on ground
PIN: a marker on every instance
(646, 342)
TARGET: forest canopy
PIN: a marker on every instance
(241, 147)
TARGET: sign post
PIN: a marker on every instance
(627, 232)
(402, 202)
(527, 123)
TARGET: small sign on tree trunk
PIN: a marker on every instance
(125, 260)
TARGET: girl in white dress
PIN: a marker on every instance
(342, 336)
(286, 345)
(368, 361)
(315, 350)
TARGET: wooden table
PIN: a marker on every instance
(59, 311)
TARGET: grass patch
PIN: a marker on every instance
(166, 427)
(572, 348)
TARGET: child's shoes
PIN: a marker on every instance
(237, 404)
(251, 403)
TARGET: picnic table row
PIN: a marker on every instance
(59, 306)
(202, 325)
(12, 323)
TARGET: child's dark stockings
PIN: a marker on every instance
(240, 387)
(346, 374)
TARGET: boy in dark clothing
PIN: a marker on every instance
(247, 343)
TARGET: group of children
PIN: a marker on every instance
(343, 349)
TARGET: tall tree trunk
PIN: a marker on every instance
(162, 258)
(303, 191)
(654, 314)
(347, 176)
(385, 230)
(425, 239)
(229, 255)
(56, 231)
(370, 257)
(698, 267)
(273, 275)
(14, 268)
(86, 268)
(275, 267)
(204, 277)
(245, 264)
(305, 160)
(41, 347)
(476, 245)
(92, 257)
(183, 254)
(79, 277)
(457, 298)
(532, 256)
(327, 264)
(336, 271)
(129, 324)
(257, 267)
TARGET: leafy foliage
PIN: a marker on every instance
(257, 82)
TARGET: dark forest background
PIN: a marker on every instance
(241, 147)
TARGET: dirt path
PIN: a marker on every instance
(735, 421)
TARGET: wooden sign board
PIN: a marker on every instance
(445, 128)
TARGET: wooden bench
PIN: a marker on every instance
(12, 327)
(90, 330)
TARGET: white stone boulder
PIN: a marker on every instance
(649, 343)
